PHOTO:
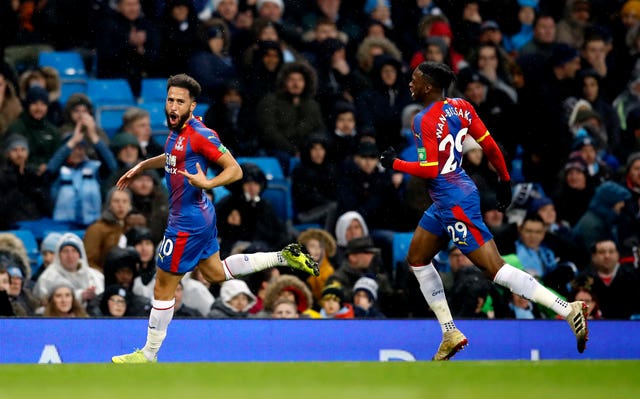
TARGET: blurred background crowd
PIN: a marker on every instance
(306, 94)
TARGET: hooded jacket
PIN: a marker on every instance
(80, 279)
(230, 289)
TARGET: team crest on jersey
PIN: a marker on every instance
(180, 144)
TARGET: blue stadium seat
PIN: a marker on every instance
(30, 244)
(401, 243)
(109, 118)
(269, 165)
(71, 86)
(279, 195)
(40, 227)
(110, 92)
(153, 90)
(69, 64)
(157, 116)
(201, 109)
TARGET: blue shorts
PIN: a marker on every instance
(462, 222)
(180, 252)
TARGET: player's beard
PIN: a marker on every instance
(181, 120)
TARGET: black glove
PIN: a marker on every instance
(387, 157)
(504, 195)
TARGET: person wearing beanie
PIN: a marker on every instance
(25, 192)
(43, 136)
(47, 251)
(114, 302)
(333, 305)
(365, 295)
(70, 266)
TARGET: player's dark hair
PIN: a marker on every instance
(186, 82)
(437, 74)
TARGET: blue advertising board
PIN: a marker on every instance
(206, 340)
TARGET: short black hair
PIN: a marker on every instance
(186, 82)
(437, 74)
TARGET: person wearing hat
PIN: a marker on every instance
(322, 247)
(114, 302)
(455, 213)
(47, 251)
(290, 287)
(573, 194)
(42, 135)
(333, 304)
(365, 295)
(362, 259)
(71, 267)
(235, 301)
(25, 192)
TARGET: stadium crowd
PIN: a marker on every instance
(322, 87)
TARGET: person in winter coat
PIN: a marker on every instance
(70, 267)
(235, 301)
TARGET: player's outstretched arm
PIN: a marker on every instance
(156, 162)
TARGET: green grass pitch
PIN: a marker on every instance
(327, 380)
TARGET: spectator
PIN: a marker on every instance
(572, 27)
(469, 288)
(120, 268)
(127, 45)
(197, 293)
(349, 225)
(368, 189)
(345, 138)
(42, 135)
(76, 178)
(211, 64)
(582, 291)
(629, 229)
(321, 246)
(6, 307)
(231, 117)
(235, 301)
(104, 234)
(285, 308)
(379, 108)
(70, 267)
(114, 302)
(137, 121)
(260, 73)
(179, 35)
(245, 216)
(365, 55)
(259, 282)
(79, 114)
(574, 192)
(150, 198)
(25, 194)
(48, 79)
(291, 114)
(127, 152)
(522, 308)
(333, 303)
(140, 238)
(180, 309)
(601, 218)
(313, 184)
(62, 303)
(47, 251)
(539, 48)
(22, 300)
(293, 288)
(615, 285)
(365, 295)
(526, 17)
(10, 107)
(362, 261)
(492, 63)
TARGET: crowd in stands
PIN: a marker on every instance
(321, 86)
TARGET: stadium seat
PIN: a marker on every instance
(109, 118)
(401, 243)
(71, 86)
(153, 90)
(279, 195)
(40, 227)
(269, 165)
(158, 118)
(69, 64)
(201, 109)
(110, 92)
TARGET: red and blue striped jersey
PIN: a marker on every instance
(439, 131)
(190, 210)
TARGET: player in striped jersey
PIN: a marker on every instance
(439, 131)
(190, 239)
